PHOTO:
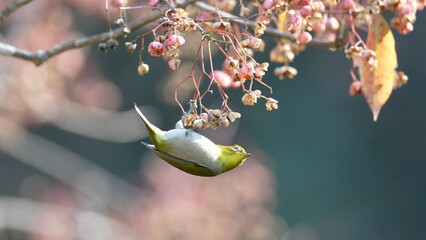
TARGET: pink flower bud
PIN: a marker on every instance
(332, 24)
(347, 5)
(224, 80)
(319, 27)
(404, 10)
(415, 5)
(174, 63)
(204, 117)
(260, 69)
(246, 72)
(252, 42)
(119, 3)
(294, 23)
(355, 88)
(156, 49)
(304, 37)
(305, 11)
(175, 40)
(408, 28)
(267, 4)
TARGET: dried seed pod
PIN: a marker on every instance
(102, 47)
(111, 43)
(130, 46)
(223, 121)
(271, 104)
(143, 68)
(285, 72)
(216, 112)
(250, 98)
(198, 123)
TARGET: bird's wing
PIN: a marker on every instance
(182, 164)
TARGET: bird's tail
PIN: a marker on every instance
(154, 132)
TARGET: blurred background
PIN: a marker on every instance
(72, 167)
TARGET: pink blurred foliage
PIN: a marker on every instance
(176, 205)
(236, 205)
(30, 94)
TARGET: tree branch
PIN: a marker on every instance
(40, 56)
(11, 7)
(24, 214)
(100, 186)
(120, 127)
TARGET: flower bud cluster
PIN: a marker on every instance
(360, 54)
(405, 14)
(176, 23)
(213, 118)
(239, 65)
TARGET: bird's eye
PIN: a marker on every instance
(235, 148)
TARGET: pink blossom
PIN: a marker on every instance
(305, 11)
(224, 80)
(246, 71)
(156, 49)
(304, 37)
(294, 23)
(175, 40)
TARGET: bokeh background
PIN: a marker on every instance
(71, 166)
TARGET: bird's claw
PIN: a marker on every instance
(192, 107)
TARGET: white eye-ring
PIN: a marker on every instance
(235, 148)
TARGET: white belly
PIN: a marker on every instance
(194, 147)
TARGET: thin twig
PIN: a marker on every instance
(11, 7)
(40, 56)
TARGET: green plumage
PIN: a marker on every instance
(191, 152)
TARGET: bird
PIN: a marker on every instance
(192, 152)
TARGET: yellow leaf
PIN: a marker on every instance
(377, 81)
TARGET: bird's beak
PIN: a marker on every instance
(247, 154)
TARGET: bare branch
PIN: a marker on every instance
(100, 186)
(11, 7)
(23, 215)
(40, 56)
(118, 127)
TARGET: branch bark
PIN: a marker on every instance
(12, 7)
(40, 56)
(100, 186)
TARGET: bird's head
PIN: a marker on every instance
(232, 156)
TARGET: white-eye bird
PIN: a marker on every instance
(192, 152)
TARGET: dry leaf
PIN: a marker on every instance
(377, 81)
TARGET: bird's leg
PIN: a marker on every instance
(192, 107)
